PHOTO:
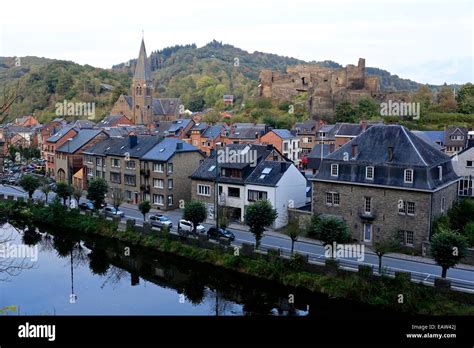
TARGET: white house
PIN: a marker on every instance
(463, 165)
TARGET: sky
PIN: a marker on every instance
(425, 41)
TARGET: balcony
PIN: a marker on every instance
(145, 172)
(145, 188)
(367, 216)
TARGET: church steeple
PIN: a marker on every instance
(142, 86)
(142, 69)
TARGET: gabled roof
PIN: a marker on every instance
(79, 140)
(268, 173)
(84, 124)
(120, 146)
(247, 131)
(165, 106)
(110, 121)
(212, 132)
(179, 124)
(409, 152)
(62, 132)
(283, 133)
(142, 69)
(166, 149)
(308, 126)
(128, 99)
(349, 130)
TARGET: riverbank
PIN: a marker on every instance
(395, 294)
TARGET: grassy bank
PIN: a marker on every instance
(385, 292)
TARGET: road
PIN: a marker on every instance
(462, 277)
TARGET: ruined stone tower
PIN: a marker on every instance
(142, 88)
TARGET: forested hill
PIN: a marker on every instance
(200, 76)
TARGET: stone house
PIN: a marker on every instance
(387, 180)
(455, 139)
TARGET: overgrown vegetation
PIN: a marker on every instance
(381, 292)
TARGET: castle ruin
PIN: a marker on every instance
(325, 87)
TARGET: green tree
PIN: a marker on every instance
(258, 216)
(96, 192)
(461, 213)
(64, 191)
(144, 208)
(117, 197)
(424, 96)
(367, 107)
(330, 230)
(195, 211)
(345, 112)
(448, 248)
(385, 244)
(293, 231)
(29, 183)
(468, 232)
(77, 194)
(446, 100)
(465, 99)
(311, 228)
(46, 189)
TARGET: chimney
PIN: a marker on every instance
(133, 140)
(179, 146)
(354, 150)
(390, 153)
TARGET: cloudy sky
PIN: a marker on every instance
(426, 41)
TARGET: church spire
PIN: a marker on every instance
(142, 69)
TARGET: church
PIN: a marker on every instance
(140, 107)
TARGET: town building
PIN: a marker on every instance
(285, 142)
(455, 139)
(387, 180)
(247, 173)
(463, 164)
(54, 142)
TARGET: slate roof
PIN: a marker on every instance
(115, 132)
(165, 106)
(79, 140)
(203, 172)
(57, 136)
(308, 126)
(212, 132)
(283, 133)
(247, 131)
(119, 146)
(129, 100)
(429, 139)
(166, 149)
(84, 124)
(110, 121)
(314, 157)
(455, 131)
(409, 152)
(276, 171)
(178, 125)
(349, 130)
(142, 69)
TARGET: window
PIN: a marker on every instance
(89, 159)
(334, 169)
(408, 176)
(170, 168)
(158, 167)
(369, 173)
(440, 172)
(367, 232)
(170, 184)
(256, 195)
(234, 192)
(158, 183)
(130, 164)
(367, 205)
(89, 172)
(128, 195)
(406, 237)
(170, 200)
(115, 162)
(98, 161)
(195, 142)
(203, 190)
(332, 198)
(98, 173)
(130, 180)
(411, 208)
(406, 208)
(115, 178)
(443, 204)
(158, 199)
(469, 163)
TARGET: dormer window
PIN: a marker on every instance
(334, 169)
(369, 173)
(408, 176)
(440, 172)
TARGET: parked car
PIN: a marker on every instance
(86, 206)
(159, 220)
(111, 211)
(188, 227)
(217, 233)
